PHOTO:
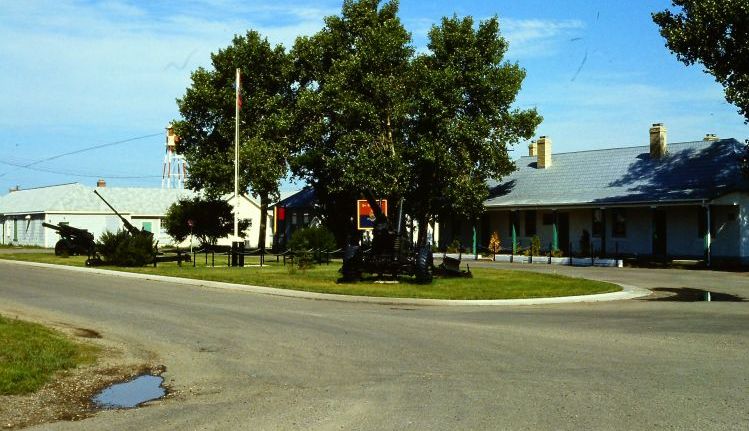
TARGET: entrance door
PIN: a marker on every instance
(659, 233)
(563, 232)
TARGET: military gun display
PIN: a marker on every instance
(391, 253)
(134, 231)
(142, 233)
(73, 241)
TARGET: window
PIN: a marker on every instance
(548, 219)
(293, 218)
(597, 223)
(620, 223)
(147, 226)
(530, 223)
(306, 219)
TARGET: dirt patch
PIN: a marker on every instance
(68, 396)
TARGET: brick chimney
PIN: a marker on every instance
(101, 183)
(544, 152)
(711, 137)
(533, 149)
(658, 141)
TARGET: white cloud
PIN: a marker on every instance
(66, 62)
(537, 37)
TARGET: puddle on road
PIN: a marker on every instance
(688, 294)
(131, 393)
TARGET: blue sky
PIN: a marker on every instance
(76, 74)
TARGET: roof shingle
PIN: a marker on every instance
(690, 171)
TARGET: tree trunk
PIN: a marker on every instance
(263, 220)
(423, 230)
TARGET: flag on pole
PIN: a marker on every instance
(238, 87)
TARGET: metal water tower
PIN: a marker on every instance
(174, 172)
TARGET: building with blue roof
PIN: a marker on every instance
(665, 201)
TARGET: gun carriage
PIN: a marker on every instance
(391, 252)
(73, 241)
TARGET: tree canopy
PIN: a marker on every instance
(431, 128)
(211, 219)
(716, 34)
(461, 121)
(350, 106)
(353, 107)
(206, 130)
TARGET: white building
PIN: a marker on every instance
(22, 212)
(665, 201)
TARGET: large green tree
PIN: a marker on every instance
(351, 106)
(431, 128)
(462, 122)
(716, 34)
(206, 130)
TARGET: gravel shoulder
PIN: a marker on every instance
(67, 397)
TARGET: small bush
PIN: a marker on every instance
(123, 249)
(535, 249)
(495, 244)
(454, 246)
(311, 238)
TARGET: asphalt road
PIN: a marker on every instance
(251, 361)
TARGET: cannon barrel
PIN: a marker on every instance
(130, 228)
(69, 231)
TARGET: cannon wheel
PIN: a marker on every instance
(62, 249)
(349, 270)
(423, 263)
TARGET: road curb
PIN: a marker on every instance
(627, 292)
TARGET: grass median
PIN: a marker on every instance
(487, 283)
(31, 354)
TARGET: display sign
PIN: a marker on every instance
(365, 214)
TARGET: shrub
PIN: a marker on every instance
(535, 249)
(454, 246)
(495, 244)
(123, 249)
(316, 238)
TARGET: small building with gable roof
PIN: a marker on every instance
(23, 211)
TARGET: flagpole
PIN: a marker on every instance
(236, 161)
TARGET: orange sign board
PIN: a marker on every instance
(365, 215)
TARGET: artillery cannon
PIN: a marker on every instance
(134, 231)
(73, 241)
(391, 252)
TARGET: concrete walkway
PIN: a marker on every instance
(628, 291)
(733, 283)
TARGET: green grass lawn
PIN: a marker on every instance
(30, 354)
(487, 283)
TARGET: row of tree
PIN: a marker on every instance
(354, 106)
